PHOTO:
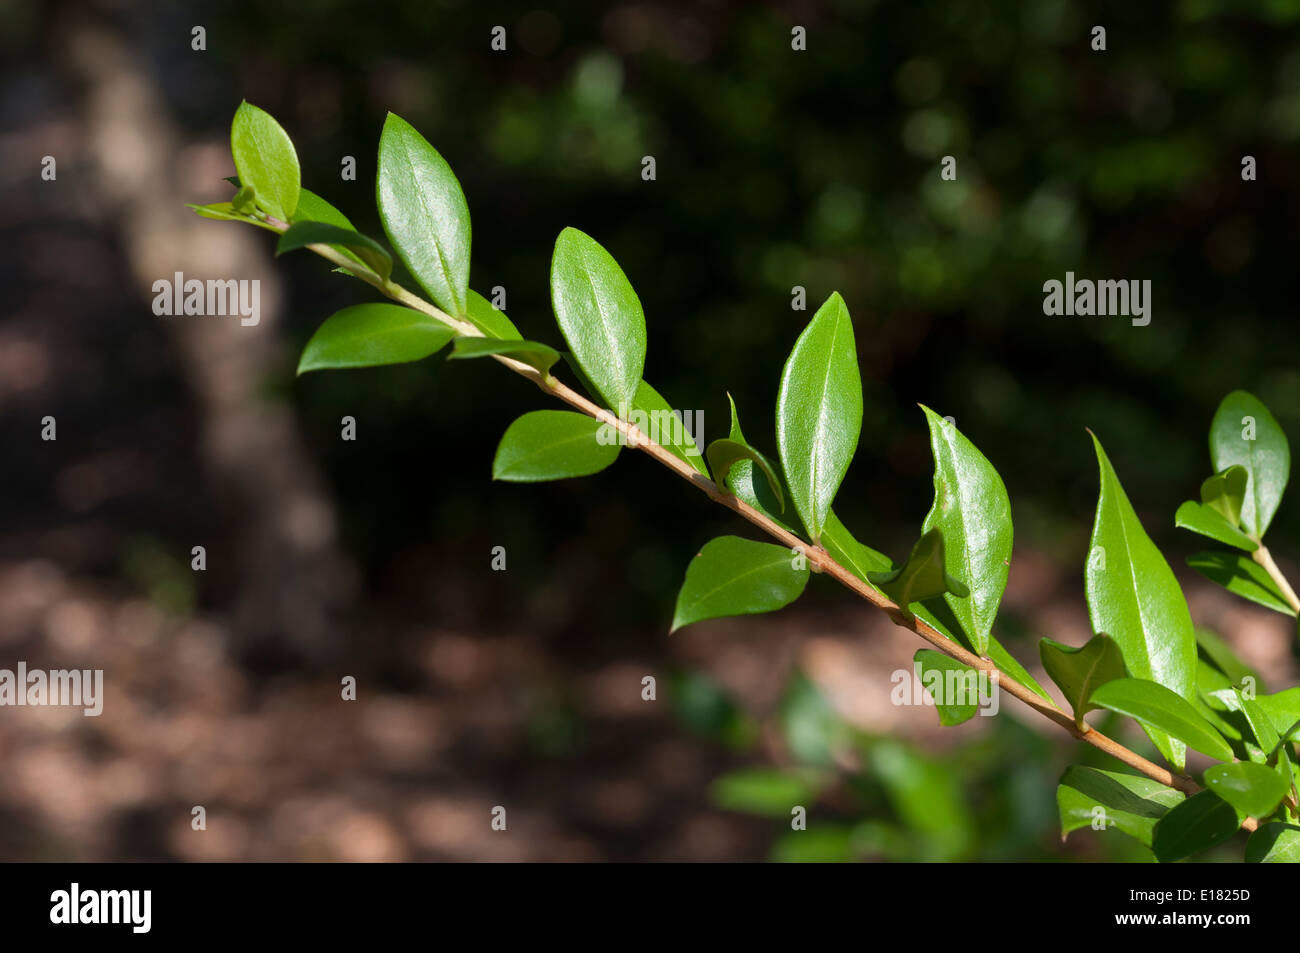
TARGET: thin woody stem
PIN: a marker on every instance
(818, 559)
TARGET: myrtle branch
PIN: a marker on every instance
(818, 559)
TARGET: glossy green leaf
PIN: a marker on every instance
(600, 317)
(1283, 711)
(484, 316)
(551, 445)
(303, 233)
(532, 353)
(921, 577)
(973, 511)
(1157, 707)
(733, 576)
(1244, 433)
(762, 791)
(1226, 492)
(656, 419)
(1274, 844)
(856, 557)
(819, 413)
(1134, 597)
(1105, 800)
(1202, 821)
(1240, 575)
(424, 214)
(747, 483)
(1204, 519)
(1253, 789)
(370, 335)
(723, 453)
(955, 688)
(265, 160)
(1078, 671)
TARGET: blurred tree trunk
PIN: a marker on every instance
(291, 582)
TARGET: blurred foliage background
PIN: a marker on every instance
(775, 168)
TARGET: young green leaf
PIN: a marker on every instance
(955, 687)
(922, 577)
(1079, 671)
(1087, 797)
(747, 482)
(552, 445)
(1274, 844)
(1226, 492)
(1240, 575)
(723, 453)
(734, 576)
(819, 412)
(484, 316)
(533, 353)
(245, 200)
(303, 233)
(226, 211)
(370, 335)
(657, 420)
(1202, 821)
(1253, 789)
(265, 160)
(600, 317)
(972, 509)
(313, 208)
(1244, 433)
(1134, 597)
(1208, 521)
(424, 214)
(1158, 708)
(1221, 656)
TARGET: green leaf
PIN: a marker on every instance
(225, 211)
(922, 577)
(370, 335)
(1244, 433)
(819, 413)
(600, 317)
(1240, 575)
(484, 316)
(1157, 707)
(1274, 844)
(939, 616)
(747, 483)
(1253, 789)
(313, 208)
(733, 576)
(1127, 803)
(1202, 821)
(424, 214)
(245, 200)
(1283, 711)
(972, 509)
(1079, 671)
(723, 453)
(1226, 492)
(540, 356)
(1134, 597)
(552, 445)
(303, 233)
(656, 419)
(265, 160)
(1204, 519)
(762, 791)
(857, 558)
(955, 687)
(1221, 656)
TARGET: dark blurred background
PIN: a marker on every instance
(522, 688)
